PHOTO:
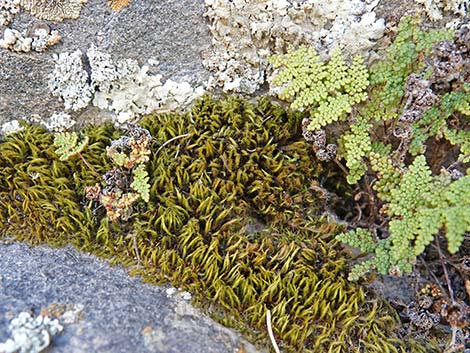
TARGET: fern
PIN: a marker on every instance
(68, 146)
(121, 159)
(420, 207)
(356, 144)
(434, 123)
(403, 58)
(328, 90)
(388, 176)
(414, 185)
(140, 182)
(380, 262)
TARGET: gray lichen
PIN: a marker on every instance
(53, 10)
(57, 122)
(247, 32)
(29, 334)
(10, 127)
(128, 89)
(15, 41)
(434, 8)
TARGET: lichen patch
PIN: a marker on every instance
(53, 10)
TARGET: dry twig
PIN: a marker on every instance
(170, 140)
(270, 331)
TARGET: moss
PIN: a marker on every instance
(232, 216)
(40, 196)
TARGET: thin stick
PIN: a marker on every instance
(170, 140)
(136, 249)
(89, 165)
(446, 274)
(453, 346)
(270, 331)
(338, 163)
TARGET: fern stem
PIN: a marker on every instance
(341, 166)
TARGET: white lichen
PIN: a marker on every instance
(8, 10)
(72, 314)
(123, 86)
(246, 32)
(57, 122)
(29, 334)
(38, 39)
(178, 293)
(66, 313)
(11, 127)
(434, 8)
(128, 89)
(69, 81)
(15, 41)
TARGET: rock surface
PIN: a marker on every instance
(172, 32)
(118, 313)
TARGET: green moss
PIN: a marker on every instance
(40, 196)
(231, 216)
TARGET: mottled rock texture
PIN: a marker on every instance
(169, 31)
(120, 314)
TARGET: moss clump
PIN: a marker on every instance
(232, 216)
(41, 197)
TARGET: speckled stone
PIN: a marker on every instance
(172, 32)
(119, 313)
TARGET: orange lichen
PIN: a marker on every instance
(117, 5)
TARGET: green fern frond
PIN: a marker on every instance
(401, 59)
(410, 193)
(140, 182)
(67, 145)
(420, 207)
(357, 145)
(328, 90)
(388, 176)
